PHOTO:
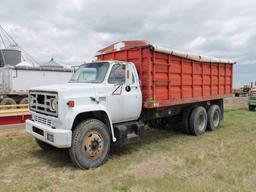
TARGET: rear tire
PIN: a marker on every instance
(8, 101)
(214, 118)
(44, 146)
(185, 120)
(90, 144)
(24, 100)
(198, 121)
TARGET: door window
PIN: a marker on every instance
(117, 74)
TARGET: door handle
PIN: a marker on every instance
(134, 86)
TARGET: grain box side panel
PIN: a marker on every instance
(206, 79)
(178, 80)
(175, 90)
(160, 74)
(142, 60)
(187, 77)
(228, 78)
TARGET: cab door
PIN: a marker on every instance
(124, 98)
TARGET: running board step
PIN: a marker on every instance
(129, 132)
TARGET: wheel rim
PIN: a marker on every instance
(93, 145)
(24, 101)
(201, 122)
(216, 119)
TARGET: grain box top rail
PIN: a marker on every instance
(126, 45)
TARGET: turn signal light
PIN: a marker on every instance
(71, 103)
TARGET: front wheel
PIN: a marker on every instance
(90, 144)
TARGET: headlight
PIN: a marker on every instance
(53, 104)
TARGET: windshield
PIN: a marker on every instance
(90, 73)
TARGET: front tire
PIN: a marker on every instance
(198, 121)
(90, 144)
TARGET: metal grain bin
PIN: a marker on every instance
(9, 56)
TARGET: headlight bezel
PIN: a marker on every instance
(53, 104)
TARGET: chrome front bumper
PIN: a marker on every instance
(59, 138)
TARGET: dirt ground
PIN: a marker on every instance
(235, 102)
(12, 131)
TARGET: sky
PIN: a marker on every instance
(71, 31)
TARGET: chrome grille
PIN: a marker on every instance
(42, 120)
(39, 101)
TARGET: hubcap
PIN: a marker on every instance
(216, 119)
(93, 144)
(201, 122)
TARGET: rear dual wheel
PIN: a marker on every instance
(24, 100)
(8, 101)
(185, 120)
(197, 120)
(214, 118)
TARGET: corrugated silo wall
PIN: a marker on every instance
(10, 57)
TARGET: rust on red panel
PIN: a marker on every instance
(172, 77)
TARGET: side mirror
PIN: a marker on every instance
(128, 88)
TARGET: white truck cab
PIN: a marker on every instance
(81, 115)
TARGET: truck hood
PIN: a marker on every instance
(68, 87)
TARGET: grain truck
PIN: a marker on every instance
(130, 85)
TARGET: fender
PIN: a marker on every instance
(73, 112)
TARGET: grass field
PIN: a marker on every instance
(224, 160)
